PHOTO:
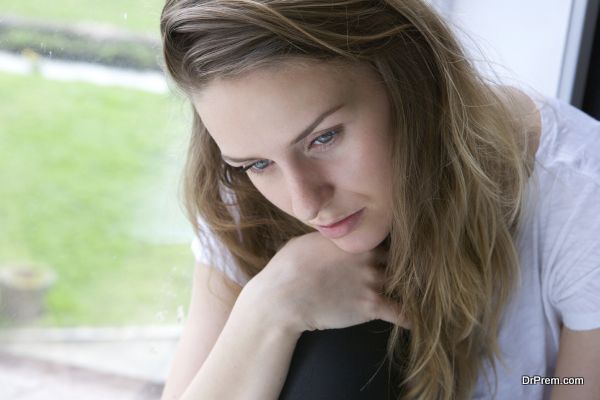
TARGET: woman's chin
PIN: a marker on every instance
(357, 244)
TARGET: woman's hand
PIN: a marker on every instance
(311, 284)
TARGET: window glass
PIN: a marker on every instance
(95, 264)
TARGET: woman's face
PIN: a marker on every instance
(315, 141)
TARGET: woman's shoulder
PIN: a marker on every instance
(565, 185)
(566, 137)
(557, 132)
(565, 189)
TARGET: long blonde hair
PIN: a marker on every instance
(459, 154)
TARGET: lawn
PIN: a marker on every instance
(135, 15)
(76, 165)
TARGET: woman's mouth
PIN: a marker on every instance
(341, 228)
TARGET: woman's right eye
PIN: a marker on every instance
(257, 167)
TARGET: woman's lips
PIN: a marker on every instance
(341, 228)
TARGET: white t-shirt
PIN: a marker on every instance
(559, 250)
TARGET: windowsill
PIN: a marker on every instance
(119, 363)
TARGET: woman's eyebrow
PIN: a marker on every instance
(298, 138)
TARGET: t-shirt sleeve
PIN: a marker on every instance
(209, 251)
(572, 248)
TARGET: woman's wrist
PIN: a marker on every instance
(254, 305)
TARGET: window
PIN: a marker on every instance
(95, 264)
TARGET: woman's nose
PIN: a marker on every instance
(309, 192)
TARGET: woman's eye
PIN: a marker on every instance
(326, 138)
(256, 167)
(323, 141)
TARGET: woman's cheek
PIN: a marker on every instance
(274, 192)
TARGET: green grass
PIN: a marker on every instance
(74, 159)
(135, 15)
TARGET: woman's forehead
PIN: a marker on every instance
(267, 94)
(289, 73)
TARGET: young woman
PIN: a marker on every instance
(348, 164)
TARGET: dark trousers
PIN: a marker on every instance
(347, 364)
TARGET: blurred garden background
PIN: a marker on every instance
(89, 172)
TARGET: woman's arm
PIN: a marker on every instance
(235, 356)
(298, 290)
(213, 297)
(249, 360)
(579, 356)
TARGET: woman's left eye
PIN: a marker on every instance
(326, 138)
